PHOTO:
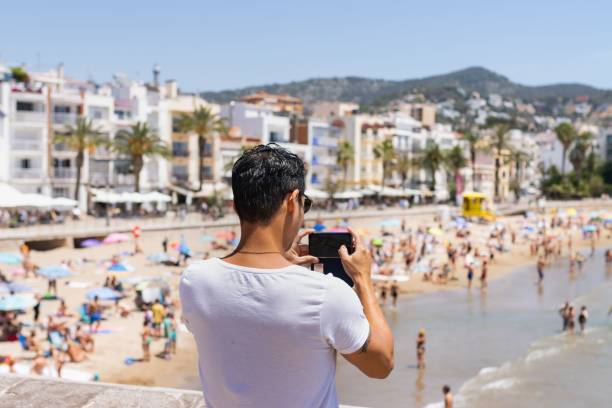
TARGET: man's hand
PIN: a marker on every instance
(359, 264)
(298, 253)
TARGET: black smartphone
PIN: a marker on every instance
(325, 246)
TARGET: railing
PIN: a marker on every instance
(26, 145)
(64, 118)
(325, 141)
(26, 173)
(61, 147)
(25, 116)
(64, 173)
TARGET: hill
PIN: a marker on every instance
(368, 91)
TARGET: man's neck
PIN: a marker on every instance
(260, 246)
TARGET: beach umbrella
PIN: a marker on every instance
(436, 232)
(158, 257)
(120, 267)
(377, 242)
(116, 238)
(158, 283)
(207, 238)
(103, 294)
(17, 302)
(589, 228)
(572, 212)
(318, 227)
(54, 272)
(14, 287)
(90, 243)
(390, 223)
(9, 258)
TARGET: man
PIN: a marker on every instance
(159, 312)
(266, 328)
(448, 397)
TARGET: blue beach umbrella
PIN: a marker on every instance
(158, 257)
(90, 243)
(54, 272)
(119, 267)
(390, 223)
(14, 287)
(17, 302)
(318, 227)
(103, 294)
(207, 238)
(10, 259)
(589, 228)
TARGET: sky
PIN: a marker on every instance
(215, 45)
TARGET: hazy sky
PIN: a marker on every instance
(212, 45)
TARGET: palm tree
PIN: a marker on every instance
(475, 142)
(344, 157)
(80, 138)
(204, 123)
(137, 143)
(579, 153)
(500, 143)
(403, 166)
(454, 160)
(519, 157)
(432, 160)
(566, 134)
(385, 152)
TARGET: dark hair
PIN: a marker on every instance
(446, 389)
(261, 178)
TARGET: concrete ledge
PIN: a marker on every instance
(34, 392)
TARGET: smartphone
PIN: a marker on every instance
(325, 246)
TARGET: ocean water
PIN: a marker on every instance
(499, 348)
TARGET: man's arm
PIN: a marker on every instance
(375, 358)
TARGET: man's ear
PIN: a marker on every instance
(292, 202)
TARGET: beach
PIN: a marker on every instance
(119, 337)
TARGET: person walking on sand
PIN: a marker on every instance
(448, 397)
(268, 330)
(582, 318)
(420, 349)
(147, 339)
(470, 274)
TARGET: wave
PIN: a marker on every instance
(503, 384)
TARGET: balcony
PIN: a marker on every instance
(322, 141)
(26, 173)
(63, 118)
(61, 147)
(64, 173)
(30, 116)
(181, 153)
(24, 144)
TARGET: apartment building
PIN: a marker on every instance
(282, 103)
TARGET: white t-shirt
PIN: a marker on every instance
(268, 337)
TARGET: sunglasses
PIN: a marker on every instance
(307, 203)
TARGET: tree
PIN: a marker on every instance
(518, 157)
(20, 75)
(80, 138)
(500, 143)
(403, 166)
(432, 160)
(566, 134)
(385, 152)
(332, 186)
(137, 143)
(344, 157)
(204, 123)
(578, 154)
(454, 161)
(475, 142)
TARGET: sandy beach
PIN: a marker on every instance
(120, 337)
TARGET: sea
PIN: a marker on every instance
(500, 347)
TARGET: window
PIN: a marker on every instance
(206, 150)
(61, 109)
(123, 166)
(176, 124)
(275, 136)
(180, 149)
(98, 112)
(61, 192)
(207, 173)
(25, 106)
(25, 164)
(61, 163)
